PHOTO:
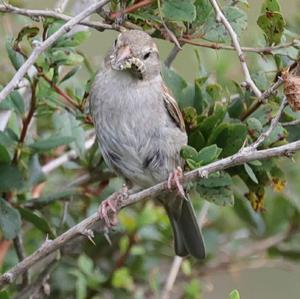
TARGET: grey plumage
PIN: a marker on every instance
(140, 129)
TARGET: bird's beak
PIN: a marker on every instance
(123, 54)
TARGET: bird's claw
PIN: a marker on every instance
(174, 180)
(109, 207)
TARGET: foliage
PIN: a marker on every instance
(39, 205)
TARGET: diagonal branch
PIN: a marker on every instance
(46, 44)
(221, 18)
(84, 226)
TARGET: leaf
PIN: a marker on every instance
(4, 295)
(208, 154)
(38, 220)
(85, 264)
(10, 178)
(278, 134)
(234, 294)
(65, 56)
(192, 290)
(188, 152)
(222, 196)
(122, 279)
(175, 82)
(51, 142)
(70, 74)
(216, 180)
(10, 220)
(203, 9)
(178, 10)
(28, 32)
(254, 127)
(4, 155)
(15, 57)
(229, 136)
(251, 173)
(216, 32)
(35, 172)
(18, 102)
(72, 41)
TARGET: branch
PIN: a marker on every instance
(84, 226)
(172, 55)
(263, 136)
(221, 18)
(291, 123)
(39, 13)
(45, 45)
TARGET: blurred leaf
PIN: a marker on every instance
(222, 196)
(4, 295)
(70, 74)
(15, 57)
(234, 294)
(271, 21)
(85, 264)
(188, 152)
(38, 220)
(65, 56)
(254, 127)
(216, 32)
(10, 178)
(4, 155)
(72, 41)
(192, 290)
(251, 173)
(35, 173)
(215, 180)
(50, 143)
(10, 220)
(176, 10)
(203, 9)
(278, 134)
(122, 279)
(208, 154)
(28, 32)
(229, 136)
(214, 91)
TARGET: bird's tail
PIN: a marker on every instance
(187, 234)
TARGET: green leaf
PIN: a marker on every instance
(35, 172)
(65, 56)
(38, 220)
(10, 178)
(222, 196)
(278, 134)
(216, 32)
(270, 5)
(70, 74)
(208, 154)
(188, 152)
(234, 294)
(229, 136)
(251, 173)
(4, 295)
(85, 264)
(216, 180)
(51, 142)
(192, 290)
(10, 220)
(15, 57)
(4, 155)
(203, 10)
(73, 40)
(18, 102)
(178, 10)
(122, 279)
(214, 91)
(254, 127)
(175, 82)
(28, 32)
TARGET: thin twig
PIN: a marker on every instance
(52, 245)
(291, 123)
(263, 136)
(234, 38)
(46, 44)
(172, 55)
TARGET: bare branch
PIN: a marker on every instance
(263, 136)
(291, 123)
(172, 55)
(52, 245)
(221, 18)
(46, 44)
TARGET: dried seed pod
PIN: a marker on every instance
(292, 90)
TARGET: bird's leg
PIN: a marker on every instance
(109, 207)
(174, 180)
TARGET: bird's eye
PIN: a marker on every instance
(147, 55)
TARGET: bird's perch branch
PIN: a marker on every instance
(84, 226)
(45, 45)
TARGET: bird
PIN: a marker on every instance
(140, 131)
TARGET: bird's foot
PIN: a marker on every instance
(174, 180)
(109, 207)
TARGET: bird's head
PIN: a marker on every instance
(135, 51)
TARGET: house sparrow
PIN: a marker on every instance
(140, 131)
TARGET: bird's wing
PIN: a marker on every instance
(172, 107)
